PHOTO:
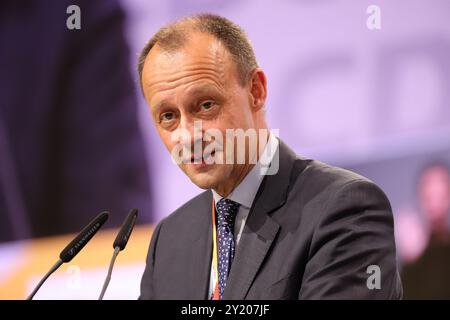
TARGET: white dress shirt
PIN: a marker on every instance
(245, 193)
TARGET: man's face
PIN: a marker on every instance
(198, 82)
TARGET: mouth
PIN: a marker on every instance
(202, 162)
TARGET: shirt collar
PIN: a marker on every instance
(245, 192)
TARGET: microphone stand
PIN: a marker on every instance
(108, 276)
(52, 269)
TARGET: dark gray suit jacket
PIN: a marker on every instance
(312, 232)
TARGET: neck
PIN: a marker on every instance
(240, 171)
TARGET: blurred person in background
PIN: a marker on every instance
(428, 277)
(70, 143)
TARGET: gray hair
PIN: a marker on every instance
(173, 36)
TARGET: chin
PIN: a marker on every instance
(203, 181)
(207, 179)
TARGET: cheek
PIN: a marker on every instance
(242, 111)
(166, 138)
(237, 115)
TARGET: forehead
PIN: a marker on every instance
(202, 56)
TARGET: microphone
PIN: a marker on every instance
(74, 247)
(119, 244)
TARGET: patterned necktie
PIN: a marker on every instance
(226, 214)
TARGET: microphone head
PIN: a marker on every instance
(78, 243)
(125, 230)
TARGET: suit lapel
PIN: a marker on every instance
(201, 251)
(260, 229)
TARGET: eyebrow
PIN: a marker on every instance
(163, 103)
(195, 91)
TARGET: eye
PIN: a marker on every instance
(207, 105)
(167, 116)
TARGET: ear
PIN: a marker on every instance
(258, 89)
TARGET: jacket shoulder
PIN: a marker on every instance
(314, 169)
(316, 175)
(325, 185)
(190, 212)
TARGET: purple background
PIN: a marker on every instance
(374, 101)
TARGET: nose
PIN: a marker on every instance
(189, 131)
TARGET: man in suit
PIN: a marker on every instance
(274, 226)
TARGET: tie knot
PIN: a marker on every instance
(226, 212)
